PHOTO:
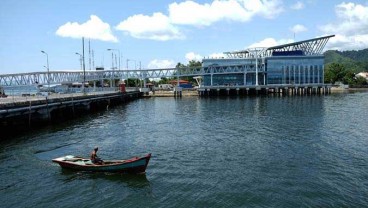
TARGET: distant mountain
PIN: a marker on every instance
(356, 61)
(361, 55)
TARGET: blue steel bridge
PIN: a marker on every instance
(299, 64)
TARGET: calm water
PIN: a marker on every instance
(219, 152)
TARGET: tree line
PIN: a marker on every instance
(338, 73)
(134, 82)
(343, 66)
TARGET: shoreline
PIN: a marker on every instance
(347, 90)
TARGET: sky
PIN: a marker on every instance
(161, 33)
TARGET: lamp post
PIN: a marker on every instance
(80, 60)
(112, 65)
(48, 71)
(135, 64)
(111, 49)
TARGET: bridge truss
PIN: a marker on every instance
(60, 77)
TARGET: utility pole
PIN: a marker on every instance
(84, 68)
(89, 53)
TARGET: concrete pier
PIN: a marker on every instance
(296, 90)
(178, 92)
(29, 111)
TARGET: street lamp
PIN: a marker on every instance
(80, 60)
(112, 66)
(135, 63)
(48, 70)
(111, 49)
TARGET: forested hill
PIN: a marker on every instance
(356, 61)
(361, 55)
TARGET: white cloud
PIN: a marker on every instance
(298, 28)
(160, 64)
(342, 42)
(267, 8)
(155, 27)
(167, 27)
(192, 56)
(269, 42)
(350, 28)
(193, 13)
(94, 28)
(297, 6)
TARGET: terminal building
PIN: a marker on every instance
(297, 67)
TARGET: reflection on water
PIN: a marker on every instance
(131, 180)
(264, 151)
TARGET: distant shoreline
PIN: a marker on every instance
(341, 90)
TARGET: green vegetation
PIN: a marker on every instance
(191, 64)
(342, 66)
(164, 80)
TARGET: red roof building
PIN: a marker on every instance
(174, 82)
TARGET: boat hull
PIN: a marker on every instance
(133, 165)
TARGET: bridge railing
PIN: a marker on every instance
(60, 77)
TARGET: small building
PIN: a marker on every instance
(150, 86)
(362, 74)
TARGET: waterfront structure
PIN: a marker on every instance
(298, 64)
(33, 111)
(297, 67)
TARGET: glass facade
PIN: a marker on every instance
(295, 70)
(222, 79)
(233, 79)
(271, 70)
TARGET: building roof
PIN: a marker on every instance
(180, 81)
(310, 47)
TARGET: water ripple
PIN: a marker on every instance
(222, 152)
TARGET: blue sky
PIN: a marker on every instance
(161, 33)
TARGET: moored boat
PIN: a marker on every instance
(133, 165)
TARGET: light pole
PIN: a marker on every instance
(48, 71)
(111, 49)
(80, 60)
(84, 68)
(135, 63)
(112, 81)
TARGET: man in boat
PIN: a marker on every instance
(94, 158)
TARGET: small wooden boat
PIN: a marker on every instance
(133, 165)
